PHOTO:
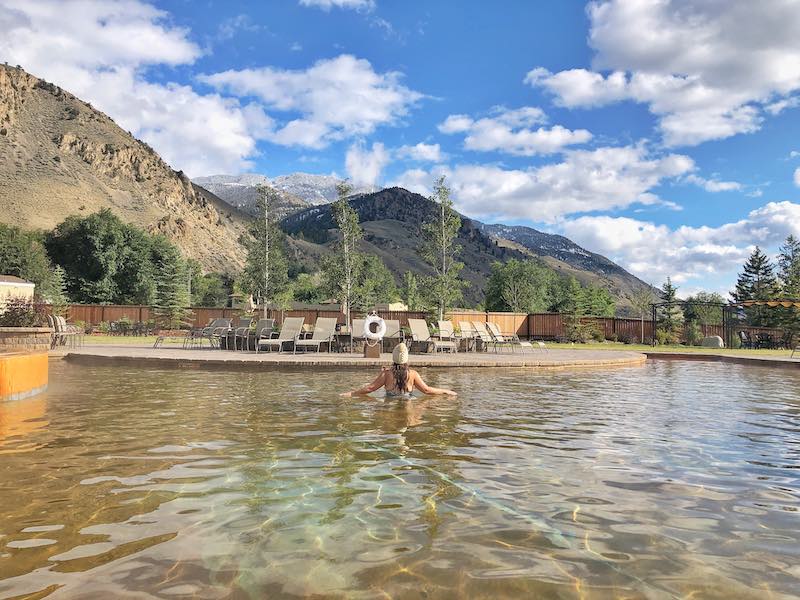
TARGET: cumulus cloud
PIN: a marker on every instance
(364, 166)
(585, 180)
(707, 70)
(327, 5)
(335, 98)
(511, 131)
(421, 152)
(797, 176)
(99, 50)
(655, 252)
(714, 185)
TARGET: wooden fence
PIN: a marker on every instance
(542, 326)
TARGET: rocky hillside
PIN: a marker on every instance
(241, 192)
(392, 219)
(59, 156)
(568, 257)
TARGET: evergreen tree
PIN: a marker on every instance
(669, 316)
(266, 270)
(439, 249)
(59, 301)
(757, 281)
(171, 291)
(410, 292)
(789, 275)
(341, 273)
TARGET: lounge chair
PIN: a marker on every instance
(746, 340)
(356, 332)
(421, 335)
(468, 334)
(290, 332)
(447, 335)
(324, 330)
(242, 331)
(394, 334)
(263, 328)
(513, 339)
(64, 333)
(482, 334)
(210, 332)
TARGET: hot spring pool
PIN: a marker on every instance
(675, 479)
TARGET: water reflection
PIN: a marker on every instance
(670, 480)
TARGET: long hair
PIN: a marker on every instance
(401, 377)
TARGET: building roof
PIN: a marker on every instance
(13, 279)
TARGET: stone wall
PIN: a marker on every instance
(31, 339)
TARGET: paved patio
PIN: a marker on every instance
(208, 358)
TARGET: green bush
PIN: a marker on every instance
(666, 338)
(692, 333)
(21, 312)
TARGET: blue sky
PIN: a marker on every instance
(660, 133)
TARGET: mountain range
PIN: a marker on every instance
(59, 156)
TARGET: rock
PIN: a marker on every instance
(713, 341)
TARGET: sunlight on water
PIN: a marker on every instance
(669, 480)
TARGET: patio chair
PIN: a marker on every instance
(513, 339)
(421, 335)
(482, 334)
(263, 328)
(324, 330)
(198, 334)
(468, 334)
(67, 333)
(290, 332)
(242, 331)
(447, 335)
(394, 333)
(356, 332)
(218, 332)
(745, 339)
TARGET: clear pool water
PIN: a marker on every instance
(669, 480)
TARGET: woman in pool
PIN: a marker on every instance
(399, 381)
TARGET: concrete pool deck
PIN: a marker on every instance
(208, 358)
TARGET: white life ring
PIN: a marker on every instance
(377, 336)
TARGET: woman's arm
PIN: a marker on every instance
(426, 389)
(367, 389)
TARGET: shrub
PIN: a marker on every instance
(666, 338)
(104, 327)
(21, 312)
(693, 334)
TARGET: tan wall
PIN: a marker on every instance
(14, 290)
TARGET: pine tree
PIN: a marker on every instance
(757, 281)
(266, 269)
(57, 295)
(669, 316)
(439, 249)
(789, 275)
(172, 290)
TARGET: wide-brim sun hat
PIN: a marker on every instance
(400, 354)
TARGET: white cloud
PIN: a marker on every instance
(511, 131)
(364, 166)
(714, 185)
(585, 181)
(421, 152)
(229, 27)
(327, 5)
(99, 51)
(334, 98)
(708, 70)
(797, 176)
(655, 252)
(296, 47)
(794, 154)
